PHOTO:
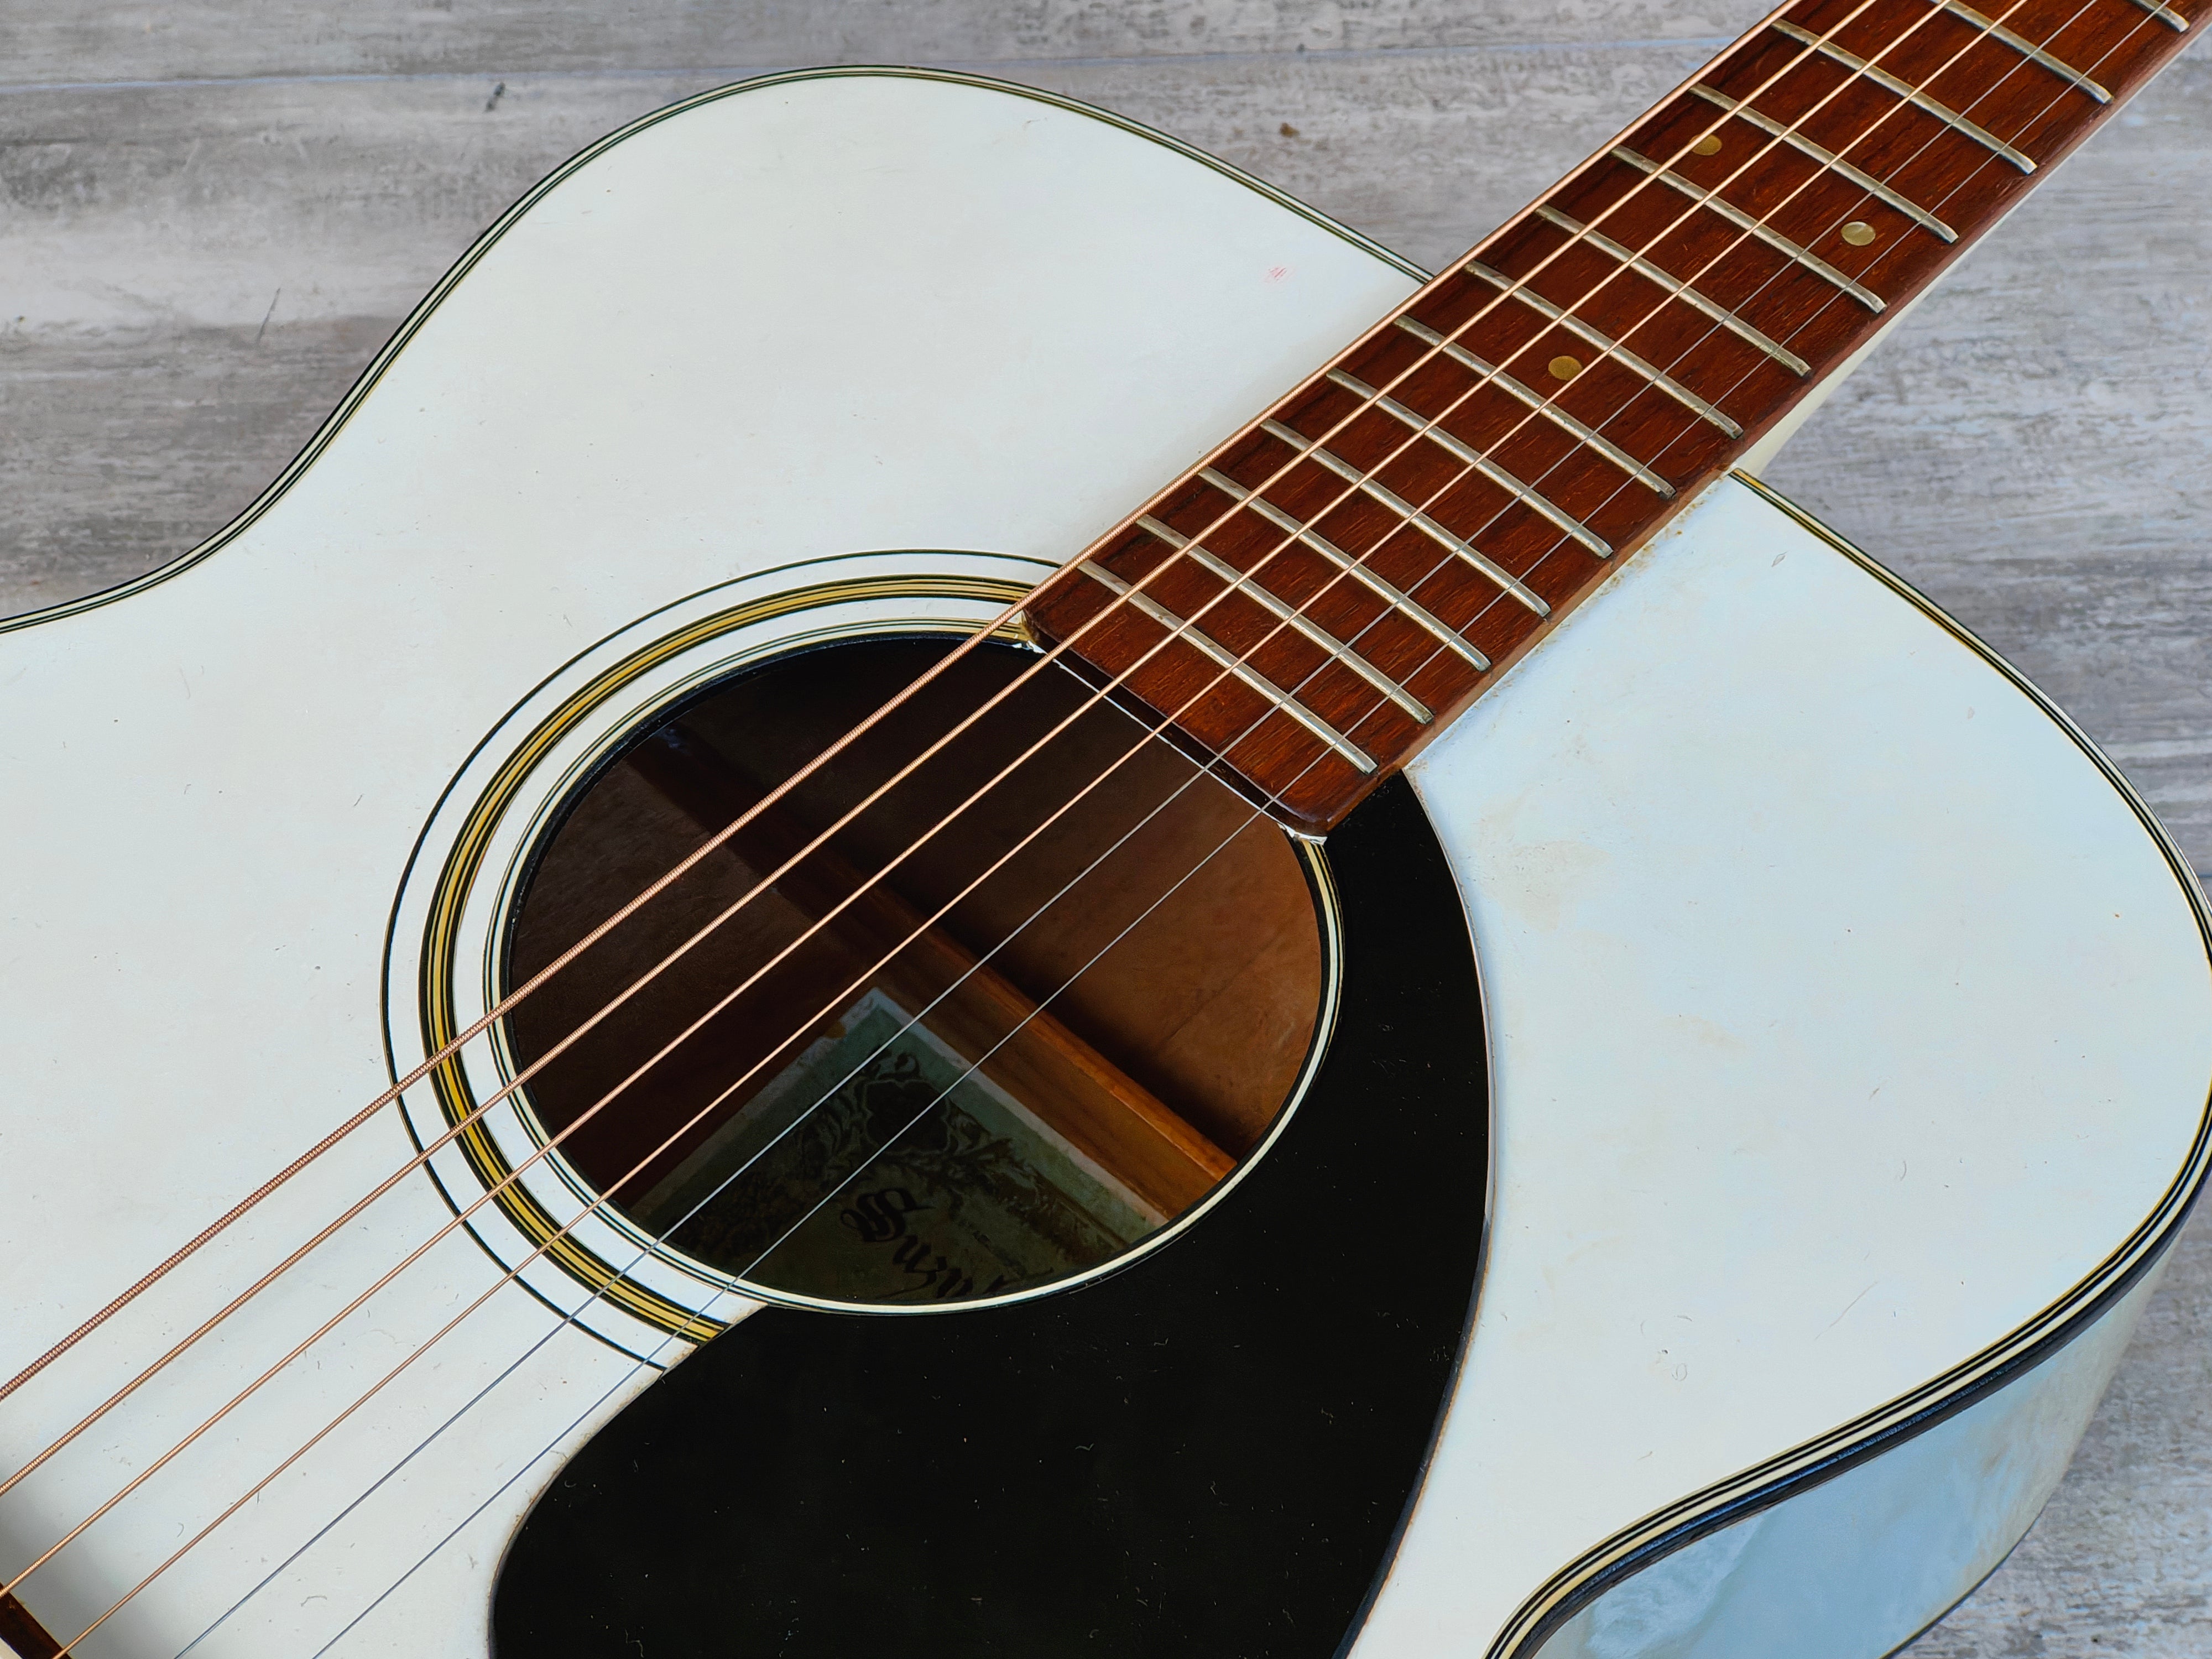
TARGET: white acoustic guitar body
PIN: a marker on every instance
(1850, 1023)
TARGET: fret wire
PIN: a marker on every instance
(1412, 515)
(1605, 344)
(1912, 94)
(1743, 221)
(2025, 47)
(1537, 401)
(1380, 586)
(1681, 290)
(1828, 159)
(1475, 458)
(1180, 628)
(1313, 632)
(2178, 22)
(1517, 289)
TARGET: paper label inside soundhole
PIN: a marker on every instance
(942, 1186)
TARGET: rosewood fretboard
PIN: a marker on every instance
(1323, 592)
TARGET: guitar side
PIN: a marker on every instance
(1851, 1026)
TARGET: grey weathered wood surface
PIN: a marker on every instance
(211, 215)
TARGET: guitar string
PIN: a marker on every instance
(512, 1274)
(639, 1364)
(1975, 173)
(1617, 204)
(503, 1486)
(882, 1149)
(579, 1421)
(802, 1222)
(507, 1005)
(1563, 544)
(825, 1200)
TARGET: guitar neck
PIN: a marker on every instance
(1325, 592)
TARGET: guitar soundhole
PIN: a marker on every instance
(952, 1051)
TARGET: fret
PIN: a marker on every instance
(1228, 659)
(1412, 515)
(1381, 586)
(1866, 181)
(1675, 285)
(1912, 94)
(2026, 48)
(1620, 353)
(1536, 400)
(2167, 14)
(1766, 233)
(1475, 458)
(1471, 484)
(1313, 631)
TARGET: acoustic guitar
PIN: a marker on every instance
(748, 974)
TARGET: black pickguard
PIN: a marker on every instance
(1207, 1454)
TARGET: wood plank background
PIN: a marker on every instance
(213, 212)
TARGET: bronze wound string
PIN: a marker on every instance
(508, 1276)
(1980, 168)
(513, 999)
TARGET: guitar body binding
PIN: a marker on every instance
(1847, 1023)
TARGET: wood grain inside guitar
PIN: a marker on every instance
(977, 1010)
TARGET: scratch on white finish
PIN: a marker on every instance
(1744, 753)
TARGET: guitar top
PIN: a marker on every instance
(802, 947)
